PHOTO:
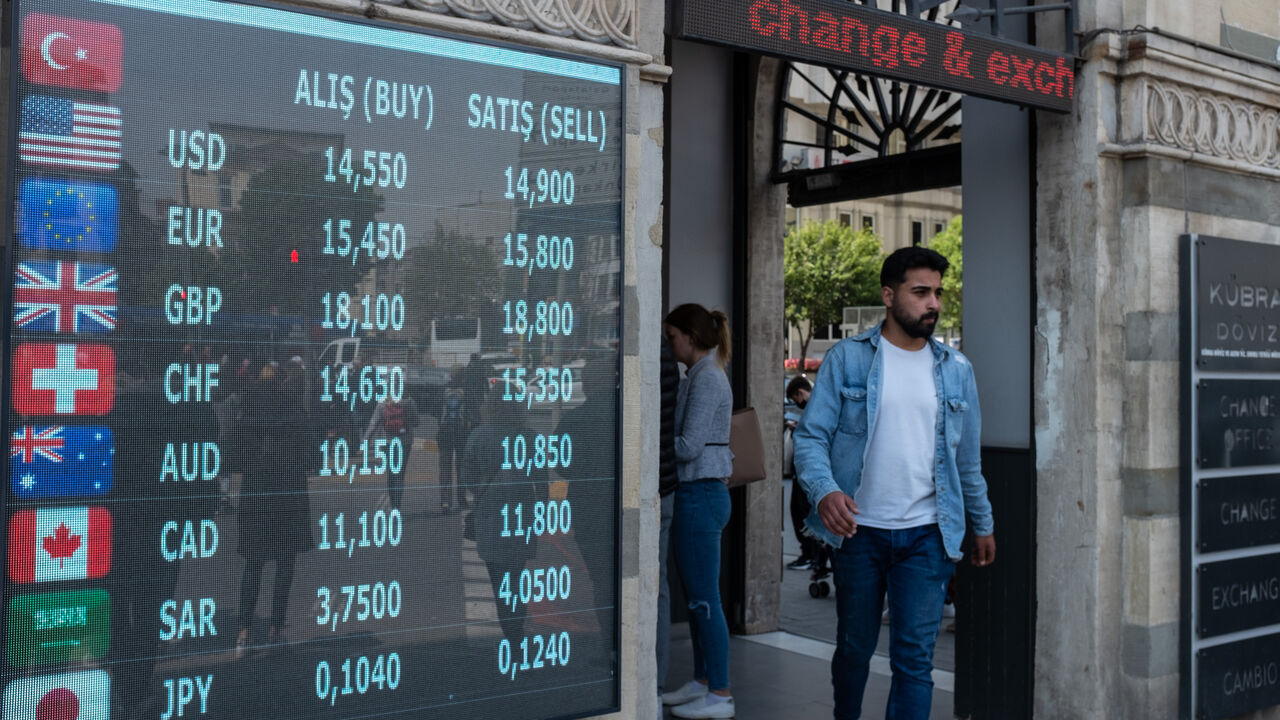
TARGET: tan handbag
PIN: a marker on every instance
(747, 446)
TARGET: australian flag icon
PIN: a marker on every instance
(48, 461)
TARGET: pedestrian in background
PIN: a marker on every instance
(798, 392)
(396, 420)
(668, 479)
(274, 509)
(704, 405)
(451, 438)
(888, 452)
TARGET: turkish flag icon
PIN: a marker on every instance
(59, 543)
(71, 53)
(63, 379)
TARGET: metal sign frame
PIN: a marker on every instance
(1229, 664)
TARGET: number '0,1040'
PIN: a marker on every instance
(359, 677)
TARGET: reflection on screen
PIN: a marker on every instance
(313, 370)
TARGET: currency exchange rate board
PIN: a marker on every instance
(311, 369)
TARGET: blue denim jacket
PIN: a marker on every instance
(831, 439)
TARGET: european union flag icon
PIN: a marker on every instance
(68, 215)
(60, 461)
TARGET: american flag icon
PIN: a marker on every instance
(64, 296)
(66, 133)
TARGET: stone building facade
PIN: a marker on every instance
(1172, 133)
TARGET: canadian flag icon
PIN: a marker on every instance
(59, 543)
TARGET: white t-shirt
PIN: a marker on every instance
(897, 488)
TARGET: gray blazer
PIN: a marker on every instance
(704, 406)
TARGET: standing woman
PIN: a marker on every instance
(704, 404)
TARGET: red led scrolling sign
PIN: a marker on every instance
(874, 42)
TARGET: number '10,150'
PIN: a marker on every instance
(387, 454)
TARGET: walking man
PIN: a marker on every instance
(888, 453)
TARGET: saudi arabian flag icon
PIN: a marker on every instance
(58, 627)
(69, 696)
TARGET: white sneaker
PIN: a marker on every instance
(692, 690)
(699, 708)
(948, 610)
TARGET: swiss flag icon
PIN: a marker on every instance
(63, 379)
(70, 53)
(59, 543)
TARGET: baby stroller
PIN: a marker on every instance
(821, 570)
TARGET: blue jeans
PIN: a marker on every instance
(702, 511)
(662, 642)
(912, 566)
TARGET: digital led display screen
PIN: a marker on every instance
(852, 36)
(312, 373)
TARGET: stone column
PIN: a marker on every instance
(1167, 138)
(766, 206)
(642, 298)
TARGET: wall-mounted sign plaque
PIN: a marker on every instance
(1239, 594)
(1238, 298)
(1239, 423)
(1239, 512)
(1238, 677)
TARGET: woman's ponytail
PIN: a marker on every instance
(724, 338)
(709, 329)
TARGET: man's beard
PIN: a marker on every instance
(921, 327)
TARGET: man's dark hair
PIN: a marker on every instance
(797, 384)
(894, 271)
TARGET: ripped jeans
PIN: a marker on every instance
(702, 511)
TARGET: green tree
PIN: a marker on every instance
(284, 208)
(451, 274)
(827, 266)
(949, 243)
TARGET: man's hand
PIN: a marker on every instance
(984, 550)
(837, 510)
